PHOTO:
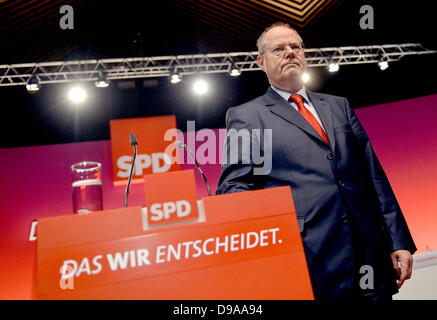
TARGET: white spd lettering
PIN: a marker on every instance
(160, 211)
(160, 162)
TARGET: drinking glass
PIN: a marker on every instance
(87, 187)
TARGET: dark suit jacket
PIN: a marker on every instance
(331, 186)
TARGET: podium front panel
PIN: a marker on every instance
(246, 249)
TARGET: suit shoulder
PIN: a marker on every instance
(252, 104)
(326, 96)
(247, 113)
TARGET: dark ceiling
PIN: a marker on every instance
(30, 32)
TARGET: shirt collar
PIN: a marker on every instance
(286, 95)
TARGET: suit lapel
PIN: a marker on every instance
(325, 114)
(282, 108)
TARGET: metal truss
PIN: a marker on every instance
(164, 66)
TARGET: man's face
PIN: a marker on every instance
(283, 60)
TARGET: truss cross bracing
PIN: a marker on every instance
(163, 66)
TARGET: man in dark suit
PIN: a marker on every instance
(355, 237)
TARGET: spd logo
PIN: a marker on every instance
(151, 155)
(170, 198)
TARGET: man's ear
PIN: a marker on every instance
(260, 60)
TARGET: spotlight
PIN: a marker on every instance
(77, 94)
(101, 82)
(200, 87)
(383, 65)
(33, 85)
(333, 67)
(235, 72)
(305, 77)
(175, 76)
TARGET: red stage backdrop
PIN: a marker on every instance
(36, 182)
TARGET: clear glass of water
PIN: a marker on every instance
(87, 187)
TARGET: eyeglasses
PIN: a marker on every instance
(280, 50)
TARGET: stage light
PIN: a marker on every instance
(101, 84)
(305, 77)
(77, 94)
(200, 87)
(33, 85)
(383, 65)
(102, 81)
(175, 78)
(235, 72)
(333, 67)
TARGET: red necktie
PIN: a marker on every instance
(297, 99)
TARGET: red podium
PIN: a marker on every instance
(238, 246)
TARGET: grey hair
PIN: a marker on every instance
(261, 42)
